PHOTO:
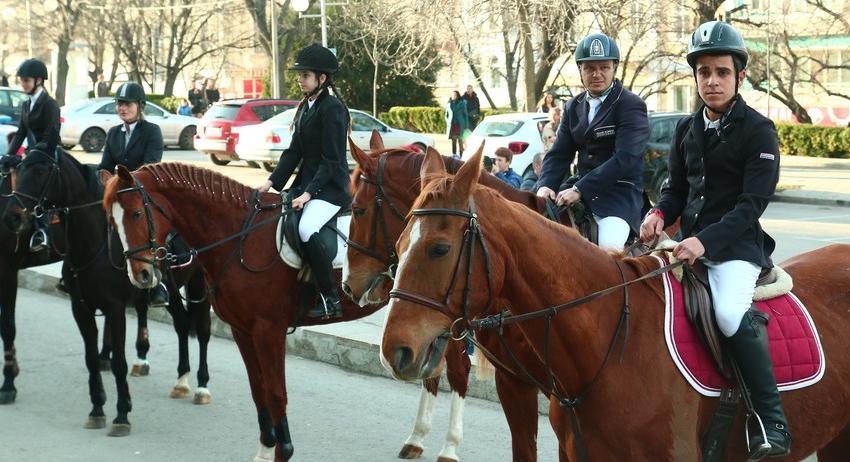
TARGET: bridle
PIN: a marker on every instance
(38, 209)
(381, 198)
(157, 252)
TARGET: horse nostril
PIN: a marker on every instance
(402, 358)
(144, 276)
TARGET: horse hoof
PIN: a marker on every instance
(105, 365)
(8, 397)
(409, 451)
(140, 370)
(202, 396)
(96, 422)
(180, 392)
(119, 430)
(446, 459)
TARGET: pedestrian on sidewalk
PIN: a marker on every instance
(724, 166)
(473, 107)
(457, 122)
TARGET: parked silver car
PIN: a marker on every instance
(86, 123)
(265, 142)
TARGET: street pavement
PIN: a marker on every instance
(811, 209)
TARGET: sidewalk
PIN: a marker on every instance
(355, 345)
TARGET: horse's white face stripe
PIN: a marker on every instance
(413, 238)
(118, 217)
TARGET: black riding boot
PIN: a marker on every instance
(749, 348)
(322, 266)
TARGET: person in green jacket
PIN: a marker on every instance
(457, 122)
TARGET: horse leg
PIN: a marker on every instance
(141, 366)
(270, 348)
(519, 403)
(267, 438)
(457, 372)
(8, 296)
(88, 330)
(414, 445)
(106, 351)
(837, 449)
(199, 314)
(181, 326)
(115, 316)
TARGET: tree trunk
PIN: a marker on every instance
(375, 90)
(527, 57)
(62, 68)
(171, 75)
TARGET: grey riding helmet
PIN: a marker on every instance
(597, 47)
(717, 38)
(131, 92)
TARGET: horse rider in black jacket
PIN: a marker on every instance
(724, 166)
(322, 184)
(39, 126)
(134, 143)
(608, 126)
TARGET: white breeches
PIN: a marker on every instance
(733, 284)
(613, 232)
(315, 214)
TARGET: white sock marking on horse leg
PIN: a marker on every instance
(264, 454)
(141, 362)
(424, 416)
(455, 433)
(415, 234)
(183, 382)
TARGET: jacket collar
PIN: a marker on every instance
(134, 133)
(311, 111)
(614, 94)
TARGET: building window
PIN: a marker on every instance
(845, 61)
(680, 98)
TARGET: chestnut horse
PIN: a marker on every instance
(252, 289)
(385, 185)
(464, 247)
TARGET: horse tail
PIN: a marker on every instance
(484, 369)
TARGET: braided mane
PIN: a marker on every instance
(214, 184)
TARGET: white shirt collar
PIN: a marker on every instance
(34, 96)
(132, 126)
(708, 122)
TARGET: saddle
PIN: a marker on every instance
(333, 235)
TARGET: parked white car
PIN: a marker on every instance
(86, 123)
(265, 142)
(7, 132)
(519, 132)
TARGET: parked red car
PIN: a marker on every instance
(218, 133)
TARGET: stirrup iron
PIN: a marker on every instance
(762, 450)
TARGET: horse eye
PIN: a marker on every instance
(438, 250)
(358, 212)
(137, 215)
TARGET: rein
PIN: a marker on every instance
(473, 234)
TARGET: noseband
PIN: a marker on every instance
(158, 252)
(472, 235)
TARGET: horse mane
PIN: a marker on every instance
(184, 176)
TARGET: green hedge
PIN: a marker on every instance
(814, 141)
(424, 119)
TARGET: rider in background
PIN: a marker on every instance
(724, 166)
(39, 126)
(322, 185)
(609, 128)
(133, 143)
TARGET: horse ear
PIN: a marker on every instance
(124, 176)
(375, 141)
(431, 165)
(362, 159)
(468, 173)
(104, 176)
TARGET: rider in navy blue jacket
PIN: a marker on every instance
(608, 126)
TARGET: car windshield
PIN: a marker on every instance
(497, 128)
(222, 111)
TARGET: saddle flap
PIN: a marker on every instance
(698, 307)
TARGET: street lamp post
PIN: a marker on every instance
(302, 5)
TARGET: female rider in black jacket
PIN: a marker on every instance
(318, 145)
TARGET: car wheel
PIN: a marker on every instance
(187, 136)
(68, 147)
(252, 164)
(93, 139)
(218, 161)
(269, 166)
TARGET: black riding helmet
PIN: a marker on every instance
(597, 47)
(32, 68)
(316, 58)
(131, 92)
(717, 38)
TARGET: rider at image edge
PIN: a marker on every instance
(321, 187)
(609, 128)
(39, 126)
(724, 166)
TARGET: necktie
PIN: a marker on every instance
(594, 108)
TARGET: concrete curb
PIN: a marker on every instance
(796, 199)
(349, 354)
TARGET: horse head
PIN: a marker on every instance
(379, 208)
(142, 224)
(37, 186)
(446, 274)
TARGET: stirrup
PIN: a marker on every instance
(762, 450)
(41, 243)
(328, 310)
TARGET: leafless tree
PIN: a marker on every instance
(58, 26)
(94, 28)
(287, 31)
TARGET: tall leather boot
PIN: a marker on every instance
(322, 265)
(749, 347)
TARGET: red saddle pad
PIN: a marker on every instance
(795, 347)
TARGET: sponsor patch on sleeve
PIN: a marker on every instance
(767, 155)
